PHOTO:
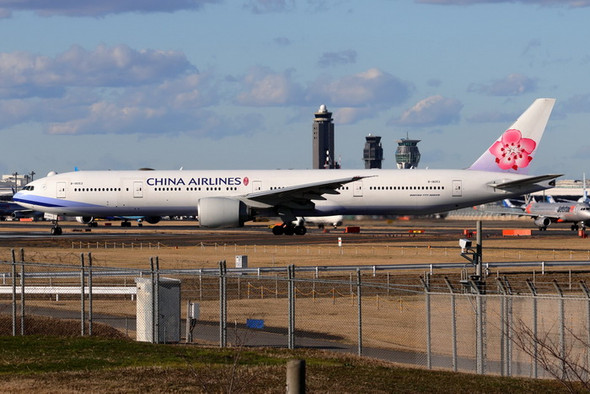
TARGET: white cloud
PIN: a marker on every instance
(329, 59)
(370, 88)
(98, 8)
(27, 75)
(263, 87)
(567, 3)
(512, 85)
(432, 111)
(108, 90)
(267, 6)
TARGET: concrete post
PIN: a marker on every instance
(296, 377)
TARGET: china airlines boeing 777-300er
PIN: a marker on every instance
(223, 198)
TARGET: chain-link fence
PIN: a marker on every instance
(434, 322)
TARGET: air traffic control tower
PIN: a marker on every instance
(323, 139)
(407, 154)
(373, 152)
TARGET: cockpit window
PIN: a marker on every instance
(29, 187)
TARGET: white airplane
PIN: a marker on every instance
(230, 198)
(546, 212)
(320, 221)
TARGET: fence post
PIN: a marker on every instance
(22, 292)
(506, 323)
(89, 293)
(82, 306)
(535, 345)
(587, 292)
(360, 311)
(157, 301)
(428, 323)
(291, 302)
(479, 330)
(13, 293)
(222, 305)
(453, 323)
(561, 329)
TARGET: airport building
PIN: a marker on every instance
(323, 140)
(15, 181)
(407, 154)
(373, 152)
(566, 189)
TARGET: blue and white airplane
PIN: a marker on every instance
(230, 198)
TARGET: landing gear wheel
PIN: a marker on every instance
(56, 230)
(289, 230)
(125, 224)
(300, 230)
(574, 227)
(277, 230)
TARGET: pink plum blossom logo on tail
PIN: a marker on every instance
(512, 151)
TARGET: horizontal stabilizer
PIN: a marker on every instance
(523, 182)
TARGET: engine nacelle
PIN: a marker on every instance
(222, 212)
(542, 221)
(84, 219)
(152, 219)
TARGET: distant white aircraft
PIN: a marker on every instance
(545, 213)
(230, 198)
(320, 221)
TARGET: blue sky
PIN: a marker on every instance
(204, 84)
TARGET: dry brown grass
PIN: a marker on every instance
(386, 244)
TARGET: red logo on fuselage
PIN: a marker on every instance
(246, 181)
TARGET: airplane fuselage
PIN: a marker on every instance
(177, 193)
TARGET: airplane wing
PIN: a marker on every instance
(515, 184)
(299, 196)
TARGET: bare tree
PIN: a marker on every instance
(567, 363)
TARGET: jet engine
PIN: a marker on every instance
(542, 222)
(84, 219)
(222, 212)
(152, 219)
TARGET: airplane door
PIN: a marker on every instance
(61, 190)
(357, 189)
(137, 189)
(256, 186)
(457, 188)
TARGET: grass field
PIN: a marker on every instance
(106, 364)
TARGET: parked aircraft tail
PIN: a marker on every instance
(584, 197)
(516, 147)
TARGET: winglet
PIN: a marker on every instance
(516, 147)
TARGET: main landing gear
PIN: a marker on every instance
(56, 229)
(581, 226)
(288, 229)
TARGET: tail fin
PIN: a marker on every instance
(584, 197)
(516, 147)
(506, 203)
